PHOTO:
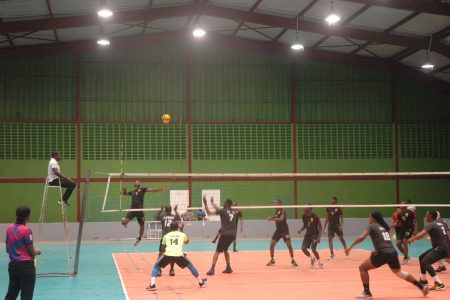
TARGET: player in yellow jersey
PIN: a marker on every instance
(173, 252)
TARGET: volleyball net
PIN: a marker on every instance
(254, 193)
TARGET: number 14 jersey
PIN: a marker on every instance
(174, 242)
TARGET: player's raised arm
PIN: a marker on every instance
(164, 188)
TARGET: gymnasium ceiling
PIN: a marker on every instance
(386, 32)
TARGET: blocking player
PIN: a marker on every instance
(173, 244)
(384, 253)
(407, 228)
(137, 202)
(335, 221)
(313, 226)
(440, 237)
(238, 219)
(229, 228)
(281, 232)
(167, 218)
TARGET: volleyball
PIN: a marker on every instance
(166, 118)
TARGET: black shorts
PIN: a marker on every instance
(277, 235)
(405, 234)
(335, 229)
(138, 214)
(308, 241)
(385, 257)
(433, 255)
(224, 242)
(181, 261)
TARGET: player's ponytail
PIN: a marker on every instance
(377, 216)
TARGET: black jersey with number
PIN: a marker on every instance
(380, 238)
(334, 216)
(166, 220)
(228, 221)
(311, 223)
(438, 233)
(406, 218)
(281, 226)
(137, 197)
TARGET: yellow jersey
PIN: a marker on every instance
(174, 242)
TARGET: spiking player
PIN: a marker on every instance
(440, 238)
(281, 232)
(166, 220)
(335, 221)
(408, 227)
(173, 243)
(384, 253)
(229, 229)
(137, 202)
(311, 222)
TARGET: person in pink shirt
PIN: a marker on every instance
(19, 246)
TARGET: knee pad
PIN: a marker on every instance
(402, 274)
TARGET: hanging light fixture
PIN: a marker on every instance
(332, 17)
(297, 46)
(103, 42)
(104, 13)
(198, 33)
(428, 64)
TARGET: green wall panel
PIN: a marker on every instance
(345, 148)
(417, 102)
(249, 193)
(16, 194)
(39, 89)
(348, 192)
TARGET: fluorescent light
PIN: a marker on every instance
(428, 66)
(103, 42)
(104, 13)
(198, 33)
(297, 46)
(332, 18)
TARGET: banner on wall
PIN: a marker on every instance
(211, 194)
(180, 198)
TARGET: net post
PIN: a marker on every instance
(81, 223)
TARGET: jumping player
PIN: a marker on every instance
(137, 202)
(311, 222)
(166, 220)
(384, 253)
(335, 221)
(173, 243)
(440, 237)
(407, 228)
(229, 229)
(281, 232)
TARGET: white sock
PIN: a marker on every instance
(423, 277)
(312, 258)
(153, 281)
(199, 279)
(436, 279)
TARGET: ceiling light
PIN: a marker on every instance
(428, 64)
(198, 33)
(103, 42)
(104, 13)
(297, 46)
(332, 17)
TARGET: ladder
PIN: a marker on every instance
(64, 219)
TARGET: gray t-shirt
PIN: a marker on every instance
(228, 220)
(380, 238)
(438, 233)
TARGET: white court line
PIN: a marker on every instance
(120, 277)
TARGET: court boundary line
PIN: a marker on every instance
(120, 277)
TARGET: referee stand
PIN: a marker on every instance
(47, 187)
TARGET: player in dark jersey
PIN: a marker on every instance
(239, 219)
(167, 218)
(440, 237)
(229, 228)
(406, 220)
(311, 222)
(395, 223)
(137, 202)
(335, 221)
(281, 232)
(441, 267)
(384, 253)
